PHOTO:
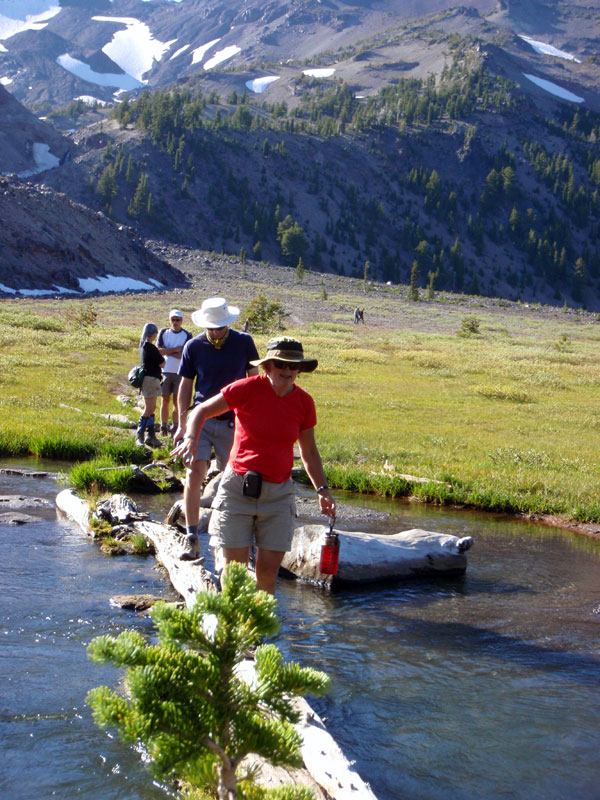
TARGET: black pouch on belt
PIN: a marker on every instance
(252, 484)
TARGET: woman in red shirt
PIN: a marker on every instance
(255, 503)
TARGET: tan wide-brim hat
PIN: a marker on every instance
(215, 313)
(285, 349)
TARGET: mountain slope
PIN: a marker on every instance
(27, 144)
(459, 147)
(96, 47)
(489, 189)
(51, 245)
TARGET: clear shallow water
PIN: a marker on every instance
(485, 686)
(54, 598)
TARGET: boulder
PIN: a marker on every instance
(118, 510)
(210, 491)
(368, 558)
(163, 478)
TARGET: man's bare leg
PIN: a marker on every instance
(191, 503)
(193, 491)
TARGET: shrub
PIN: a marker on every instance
(469, 326)
(264, 316)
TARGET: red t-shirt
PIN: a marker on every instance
(266, 426)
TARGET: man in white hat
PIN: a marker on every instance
(213, 359)
(170, 345)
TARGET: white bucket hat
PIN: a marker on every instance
(215, 313)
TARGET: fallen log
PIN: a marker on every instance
(367, 558)
(327, 771)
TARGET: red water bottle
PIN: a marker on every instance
(330, 552)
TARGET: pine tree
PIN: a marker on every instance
(300, 271)
(107, 185)
(186, 702)
(139, 204)
(413, 290)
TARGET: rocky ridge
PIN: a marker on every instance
(50, 242)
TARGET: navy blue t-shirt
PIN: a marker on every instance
(213, 369)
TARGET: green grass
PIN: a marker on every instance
(509, 418)
(100, 475)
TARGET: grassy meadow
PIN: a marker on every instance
(502, 415)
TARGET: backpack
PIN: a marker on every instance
(136, 376)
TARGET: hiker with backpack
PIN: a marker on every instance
(152, 362)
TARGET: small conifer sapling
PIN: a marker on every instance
(186, 700)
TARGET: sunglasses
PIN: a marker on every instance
(286, 364)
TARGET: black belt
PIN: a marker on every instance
(227, 416)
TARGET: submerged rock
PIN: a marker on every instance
(136, 602)
(21, 501)
(15, 518)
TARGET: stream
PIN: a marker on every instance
(482, 686)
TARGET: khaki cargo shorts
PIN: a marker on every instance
(150, 386)
(239, 521)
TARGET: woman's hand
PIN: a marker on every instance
(327, 503)
(186, 449)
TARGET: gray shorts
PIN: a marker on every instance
(150, 386)
(239, 521)
(217, 434)
(170, 384)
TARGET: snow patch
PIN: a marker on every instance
(36, 292)
(198, 53)
(33, 15)
(548, 49)
(2, 48)
(319, 73)
(90, 101)
(179, 52)
(222, 55)
(554, 89)
(156, 283)
(134, 49)
(86, 73)
(7, 289)
(6, 81)
(43, 158)
(260, 85)
(112, 283)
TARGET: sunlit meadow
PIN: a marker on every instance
(503, 418)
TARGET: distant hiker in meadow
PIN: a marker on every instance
(361, 315)
(152, 361)
(213, 359)
(356, 315)
(170, 345)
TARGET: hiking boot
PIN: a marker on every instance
(151, 440)
(191, 547)
(164, 429)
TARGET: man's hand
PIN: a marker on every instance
(186, 449)
(180, 432)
